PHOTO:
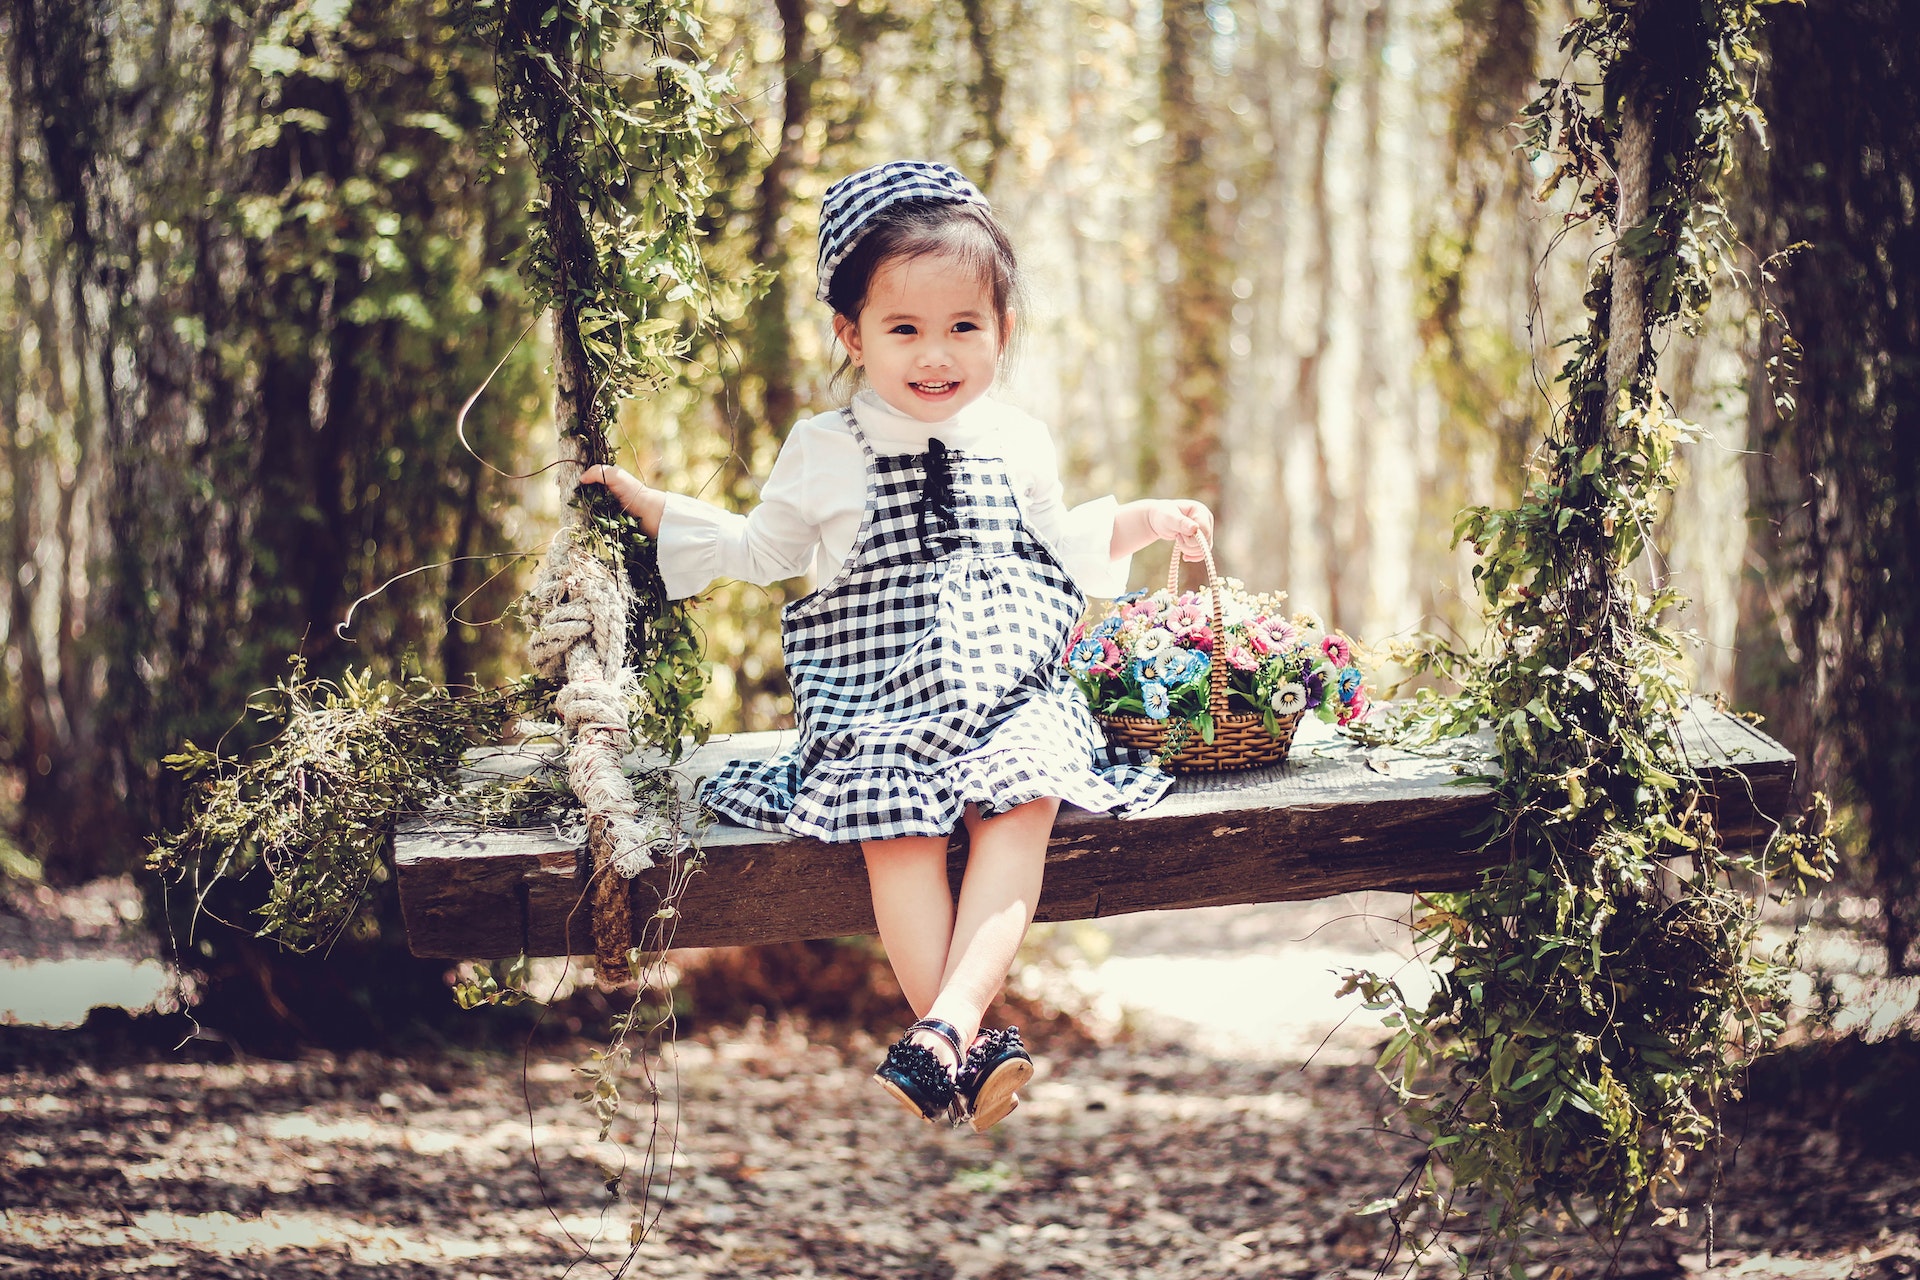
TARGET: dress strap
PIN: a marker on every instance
(853, 425)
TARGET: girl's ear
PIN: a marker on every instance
(849, 335)
(1006, 329)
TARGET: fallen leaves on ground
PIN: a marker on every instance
(1139, 1159)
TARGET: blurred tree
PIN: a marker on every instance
(1199, 304)
(1476, 259)
(256, 266)
(283, 274)
(1309, 403)
(1371, 383)
(1830, 636)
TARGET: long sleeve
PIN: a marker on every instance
(700, 542)
(1081, 536)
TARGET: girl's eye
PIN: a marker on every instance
(901, 328)
(965, 326)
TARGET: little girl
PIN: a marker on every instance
(926, 669)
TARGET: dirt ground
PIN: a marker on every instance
(1152, 1149)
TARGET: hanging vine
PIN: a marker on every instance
(622, 160)
(613, 250)
(1597, 994)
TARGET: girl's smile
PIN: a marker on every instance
(927, 338)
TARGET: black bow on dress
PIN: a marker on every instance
(938, 521)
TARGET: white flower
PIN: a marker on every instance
(1154, 643)
(1288, 699)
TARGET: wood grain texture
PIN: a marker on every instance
(1331, 819)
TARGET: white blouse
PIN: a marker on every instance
(810, 507)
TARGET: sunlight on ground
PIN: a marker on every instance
(1260, 982)
(59, 993)
(1280, 1007)
(1254, 983)
(229, 1235)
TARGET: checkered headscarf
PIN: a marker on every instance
(851, 203)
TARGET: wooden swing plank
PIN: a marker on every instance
(1333, 818)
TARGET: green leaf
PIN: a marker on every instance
(273, 59)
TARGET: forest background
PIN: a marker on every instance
(1286, 258)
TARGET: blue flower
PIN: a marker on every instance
(1193, 666)
(1349, 681)
(1154, 695)
(1131, 596)
(1106, 627)
(1151, 670)
(1084, 655)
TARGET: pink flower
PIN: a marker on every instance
(1201, 639)
(1259, 641)
(1357, 709)
(1138, 609)
(1078, 633)
(1109, 664)
(1338, 651)
(1279, 632)
(1186, 618)
(1241, 657)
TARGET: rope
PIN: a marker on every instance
(581, 639)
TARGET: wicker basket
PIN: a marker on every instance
(1240, 738)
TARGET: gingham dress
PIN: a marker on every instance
(927, 673)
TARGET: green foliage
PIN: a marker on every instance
(252, 265)
(1597, 994)
(617, 260)
(623, 158)
(497, 982)
(314, 807)
(630, 151)
(17, 866)
(662, 638)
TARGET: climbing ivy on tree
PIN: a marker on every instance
(623, 155)
(1596, 994)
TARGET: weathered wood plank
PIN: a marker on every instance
(1333, 818)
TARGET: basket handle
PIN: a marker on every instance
(1217, 668)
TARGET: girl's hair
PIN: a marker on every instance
(931, 228)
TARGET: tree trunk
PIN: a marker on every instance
(1320, 273)
(1199, 305)
(1370, 404)
(1836, 466)
(988, 87)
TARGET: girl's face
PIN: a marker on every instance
(927, 338)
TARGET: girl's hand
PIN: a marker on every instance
(631, 492)
(1188, 524)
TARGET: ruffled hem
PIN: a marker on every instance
(852, 803)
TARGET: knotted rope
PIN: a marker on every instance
(582, 602)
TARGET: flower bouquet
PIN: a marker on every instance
(1212, 680)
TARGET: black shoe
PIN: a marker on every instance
(990, 1079)
(915, 1075)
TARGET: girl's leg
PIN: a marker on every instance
(997, 899)
(914, 908)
